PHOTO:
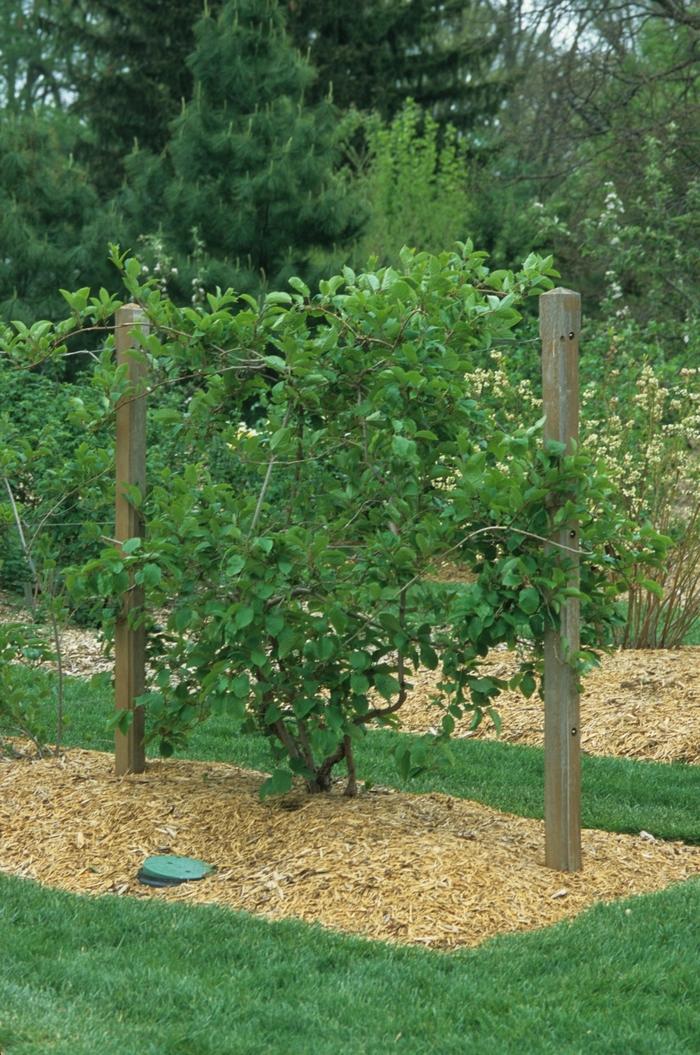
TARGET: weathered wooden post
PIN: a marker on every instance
(560, 324)
(130, 643)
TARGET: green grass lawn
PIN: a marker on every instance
(117, 976)
(80, 975)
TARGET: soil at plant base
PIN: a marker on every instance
(418, 869)
(637, 704)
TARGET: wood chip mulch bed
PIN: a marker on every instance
(427, 870)
(642, 704)
(419, 869)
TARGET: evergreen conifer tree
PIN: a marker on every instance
(375, 54)
(51, 233)
(248, 172)
(33, 63)
(129, 75)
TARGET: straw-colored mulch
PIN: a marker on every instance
(421, 869)
(82, 653)
(637, 704)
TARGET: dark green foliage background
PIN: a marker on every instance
(230, 134)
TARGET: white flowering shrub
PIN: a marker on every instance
(641, 386)
(647, 249)
(157, 262)
(649, 439)
(642, 422)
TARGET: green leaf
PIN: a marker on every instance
(133, 495)
(338, 619)
(528, 600)
(482, 686)
(278, 784)
(272, 714)
(278, 437)
(241, 686)
(274, 623)
(402, 756)
(154, 701)
(429, 657)
(510, 572)
(167, 416)
(244, 617)
(326, 648)
(182, 618)
(448, 724)
(235, 565)
(276, 362)
(528, 685)
(403, 447)
(300, 286)
(495, 718)
(277, 298)
(151, 575)
(286, 641)
(386, 685)
(359, 684)
(476, 719)
(122, 720)
(303, 706)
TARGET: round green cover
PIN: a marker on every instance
(175, 869)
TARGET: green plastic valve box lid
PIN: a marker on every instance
(172, 869)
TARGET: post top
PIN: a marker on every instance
(561, 291)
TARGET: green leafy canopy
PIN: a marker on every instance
(296, 571)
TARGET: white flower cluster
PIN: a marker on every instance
(163, 267)
(614, 287)
(653, 463)
(197, 257)
(613, 201)
(197, 290)
(514, 397)
(242, 432)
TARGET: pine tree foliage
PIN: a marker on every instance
(34, 64)
(375, 54)
(49, 238)
(130, 76)
(249, 166)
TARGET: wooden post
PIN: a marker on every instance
(560, 324)
(130, 644)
